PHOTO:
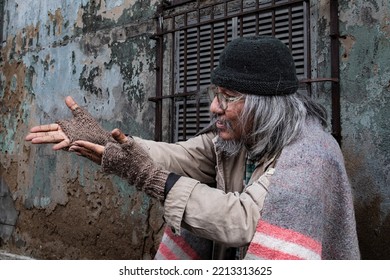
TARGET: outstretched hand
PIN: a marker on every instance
(94, 152)
(52, 133)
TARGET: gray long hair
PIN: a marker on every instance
(276, 122)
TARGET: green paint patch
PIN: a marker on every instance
(128, 56)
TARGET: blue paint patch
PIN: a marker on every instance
(39, 193)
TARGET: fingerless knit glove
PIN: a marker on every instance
(84, 127)
(130, 161)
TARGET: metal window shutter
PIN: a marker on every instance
(198, 49)
(193, 111)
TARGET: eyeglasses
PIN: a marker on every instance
(224, 96)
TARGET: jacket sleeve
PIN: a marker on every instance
(194, 158)
(228, 218)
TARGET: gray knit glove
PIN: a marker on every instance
(130, 161)
(84, 127)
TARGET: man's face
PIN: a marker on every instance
(227, 114)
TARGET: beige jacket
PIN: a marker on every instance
(228, 212)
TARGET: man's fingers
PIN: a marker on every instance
(71, 103)
(45, 128)
(89, 150)
(45, 137)
(93, 157)
(81, 151)
(34, 135)
(61, 145)
(30, 136)
(119, 136)
(89, 146)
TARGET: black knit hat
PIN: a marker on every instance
(259, 65)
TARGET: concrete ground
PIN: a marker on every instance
(8, 256)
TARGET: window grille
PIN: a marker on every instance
(197, 117)
(199, 33)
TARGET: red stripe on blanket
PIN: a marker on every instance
(180, 241)
(268, 253)
(166, 252)
(289, 235)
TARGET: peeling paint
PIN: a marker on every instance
(58, 21)
(114, 9)
(385, 27)
(100, 52)
(347, 44)
(56, 50)
(363, 13)
(365, 80)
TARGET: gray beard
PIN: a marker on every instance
(228, 147)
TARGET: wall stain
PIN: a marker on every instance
(347, 44)
(58, 21)
(87, 79)
(86, 227)
(127, 56)
(68, 210)
(373, 230)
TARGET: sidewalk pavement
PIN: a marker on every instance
(9, 256)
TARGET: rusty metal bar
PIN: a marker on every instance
(226, 22)
(273, 20)
(176, 95)
(335, 70)
(222, 19)
(290, 28)
(212, 42)
(319, 80)
(177, 3)
(242, 18)
(198, 70)
(185, 46)
(172, 83)
(185, 76)
(159, 75)
(1, 23)
(307, 52)
(257, 19)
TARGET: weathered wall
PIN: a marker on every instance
(365, 83)
(364, 28)
(99, 52)
(55, 205)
